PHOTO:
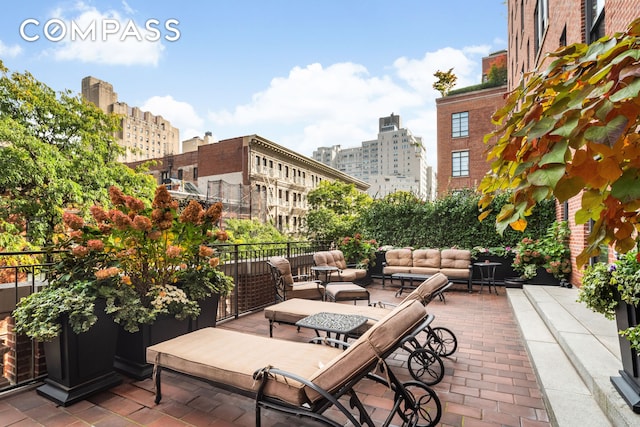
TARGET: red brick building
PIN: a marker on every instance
(463, 121)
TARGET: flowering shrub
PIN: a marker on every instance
(358, 251)
(551, 252)
(143, 261)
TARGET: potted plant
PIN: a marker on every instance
(613, 290)
(358, 251)
(546, 260)
(147, 264)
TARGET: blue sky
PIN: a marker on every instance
(301, 73)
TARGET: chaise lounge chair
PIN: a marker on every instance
(305, 379)
(423, 365)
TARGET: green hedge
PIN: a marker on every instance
(447, 222)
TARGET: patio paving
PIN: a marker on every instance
(489, 381)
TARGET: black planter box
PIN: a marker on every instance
(542, 277)
(79, 365)
(376, 270)
(628, 383)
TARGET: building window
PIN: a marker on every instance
(460, 124)
(460, 163)
(541, 19)
(595, 20)
(195, 173)
(179, 173)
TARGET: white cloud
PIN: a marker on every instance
(418, 73)
(9, 51)
(324, 102)
(181, 115)
(105, 38)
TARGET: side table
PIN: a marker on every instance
(341, 325)
(488, 274)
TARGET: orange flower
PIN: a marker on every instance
(222, 235)
(121, 221)
(173, 251)
(162, 198)
(134, 205)
(214, 262)
(117, 196)
(105, 273)
(214, 212)
(126, 280)
(95, 245)
(80, 251)
(98, 214)
(192, 214)
(142, 223)
(72, 221)
(205, 251)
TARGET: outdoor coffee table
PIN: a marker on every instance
(341, 325)
(410, 277)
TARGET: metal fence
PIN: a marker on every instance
(22, 359)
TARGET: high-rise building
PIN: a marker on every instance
(395, 161)
(144, 135)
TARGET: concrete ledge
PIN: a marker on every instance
(574, 353)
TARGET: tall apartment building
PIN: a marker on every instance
(395, 161)
(253, 177)
(144, 135)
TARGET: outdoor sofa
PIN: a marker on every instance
(456, 264)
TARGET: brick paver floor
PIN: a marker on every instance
(488, 382)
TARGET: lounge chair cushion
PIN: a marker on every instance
(292, 310)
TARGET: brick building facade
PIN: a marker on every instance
(537, 27)
(262, 179)
(463, 121)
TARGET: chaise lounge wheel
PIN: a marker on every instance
(426, 366)
(442, 341)
(419, 405)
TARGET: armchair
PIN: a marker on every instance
(289, 286)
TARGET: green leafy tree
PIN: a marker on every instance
(57, 151)
(573, 130)
(446, 81)
(335, 209)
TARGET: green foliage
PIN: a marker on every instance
(335, 209)
(446, 80)
(597, 291)
(358, 251)
(401, 219)
(243, 231)
(39, 315)
(550, 252)
(60, 153)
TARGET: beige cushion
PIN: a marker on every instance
(380, 338)
(399, 258)
(455, 258)
(338, 259)
(346, 290)
(424, 270)
(424, 291)
(283, 265)
(426, 258)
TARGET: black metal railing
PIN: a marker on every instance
(22, 273)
